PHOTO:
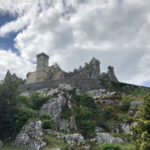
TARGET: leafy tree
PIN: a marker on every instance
(87, 114)
(141, 131)
(8, 106)
(17, 110)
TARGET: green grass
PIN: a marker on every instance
(122, 115)
(128, 146)
(10, 147)
(112, 122)
(53, 142)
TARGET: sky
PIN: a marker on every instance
(72, 32)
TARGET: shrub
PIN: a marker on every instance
(46, 124)
(87, 114)
(66, 112)
(141, 130)
(45, 116)
(108, 112)
(109, 146)
(125, 105)
(38, 100)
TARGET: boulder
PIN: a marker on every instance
(125, 127)
(135, 104)
(107, 138)
(75, 139)
(1, 144)
(30, 136)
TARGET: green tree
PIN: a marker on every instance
(141, 131)
(8, 106)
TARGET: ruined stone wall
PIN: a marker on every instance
(83, 84)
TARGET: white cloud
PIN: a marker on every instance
(14, 63)
(72, 32)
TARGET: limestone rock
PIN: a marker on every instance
(135, 104)
(104, 97)
(60, 97)
(31, 136)
(125, 127)
(75, 139)
(107, 138)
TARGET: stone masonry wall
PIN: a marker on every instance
(83, 84)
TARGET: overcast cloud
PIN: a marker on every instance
(71, 32)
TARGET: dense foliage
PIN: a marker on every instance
(16, 110)
(87, 114)
(109, 146)
(141, 131)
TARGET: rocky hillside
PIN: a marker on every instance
(70, 119)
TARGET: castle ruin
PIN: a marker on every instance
(86, 77)
(89, 70)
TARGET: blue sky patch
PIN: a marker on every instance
(7, 42)
(5, 18)
(146, 83)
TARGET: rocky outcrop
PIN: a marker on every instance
(60, 97)
(135, 104)
(75, 139)
(104, 97)
(1, 144)
(30, 136)
(107, 138)
(125, 127)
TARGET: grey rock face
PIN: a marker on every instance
(107, 138)
(1, 144)
(31, 136)
(104, 97)
(75, 139)
(60, 97)
(135, 104)
(125, 127)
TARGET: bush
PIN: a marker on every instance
(108, 112)
(37, 100)
(109, 146)
(87, 114)
(125, 105)
(46, 124)
(66, 112)
(141, 130)
(45, 116)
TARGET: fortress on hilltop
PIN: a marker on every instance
(45, 72)
(45, 76)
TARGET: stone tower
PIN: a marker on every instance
(42, 67)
